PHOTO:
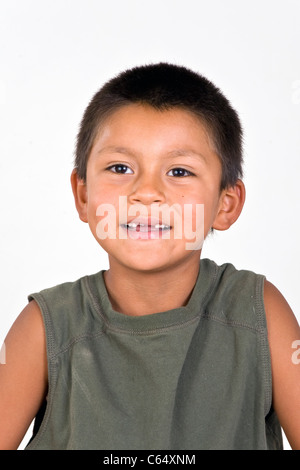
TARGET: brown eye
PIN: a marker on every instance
(120, 168)
(179, 172)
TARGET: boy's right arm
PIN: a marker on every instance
(23, 377)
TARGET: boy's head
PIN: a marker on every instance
(158, 165)
(165, 86)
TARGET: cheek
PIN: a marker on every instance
(211, 210)
(99, 197)
(205, 205)
(103, 214)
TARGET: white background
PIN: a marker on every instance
(55, 54)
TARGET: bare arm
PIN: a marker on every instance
(284, 334)
(23, 379)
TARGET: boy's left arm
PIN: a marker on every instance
(284, 342)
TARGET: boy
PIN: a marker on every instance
(161, 351)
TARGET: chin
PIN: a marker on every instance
(147, 267)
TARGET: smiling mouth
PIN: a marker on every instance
(146, 231)
(140, 227)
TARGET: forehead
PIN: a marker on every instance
(136, 124)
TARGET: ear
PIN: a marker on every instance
(232, 200)
(80, 195)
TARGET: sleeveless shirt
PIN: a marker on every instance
(195, 377)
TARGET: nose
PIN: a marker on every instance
(147, 189)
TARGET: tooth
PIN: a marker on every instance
(144, 227)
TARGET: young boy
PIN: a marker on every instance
(162, 350)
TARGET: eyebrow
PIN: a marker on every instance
(114, 149)
(187, 153)
(173, 153)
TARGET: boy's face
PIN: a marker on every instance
(148, 168)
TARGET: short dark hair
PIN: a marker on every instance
(165, 86)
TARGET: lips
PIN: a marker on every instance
(139, 228)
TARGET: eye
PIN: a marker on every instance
(120, 169)
(179, 172)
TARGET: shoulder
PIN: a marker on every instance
(28, 329)
(57, 302)
(59, 294)
(282, 325)
(25, 342)
(283, 335)
(23, 377)
(237, 296)
(68, 312)
(280, 317)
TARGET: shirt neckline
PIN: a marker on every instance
(156, 321)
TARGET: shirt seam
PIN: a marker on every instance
(133, 332)
(265, 351)
(109, 326)
(52, 368)
(231, 323)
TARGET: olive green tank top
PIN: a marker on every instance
(195, 377)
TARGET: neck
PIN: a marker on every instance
(138, 293)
